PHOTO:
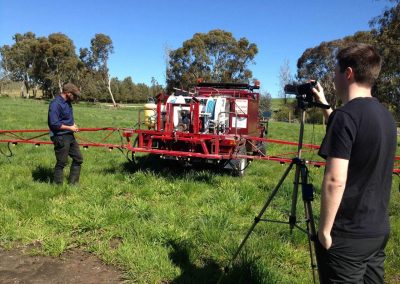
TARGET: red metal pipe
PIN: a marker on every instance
(47, 130)
(181, 136)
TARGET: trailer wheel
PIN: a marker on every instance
(261, 149)
(239, 165)
(138, 158)
(134, 157)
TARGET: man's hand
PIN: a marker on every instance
(320, 98)
(74, 128)
(325, 240)
(319, 94)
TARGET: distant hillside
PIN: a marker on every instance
(278, 103)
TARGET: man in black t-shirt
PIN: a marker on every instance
(359, 148)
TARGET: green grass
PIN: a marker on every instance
(164, 223)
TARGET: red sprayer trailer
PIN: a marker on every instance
(217, 123)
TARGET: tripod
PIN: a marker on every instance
(300, 178)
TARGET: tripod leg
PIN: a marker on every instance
(257, 219)
(311, 238)
(292, 217)
(308, 196)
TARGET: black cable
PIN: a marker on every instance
(398, 175)
(8, 156)
(126, 155)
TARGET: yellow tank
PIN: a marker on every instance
(150, 110)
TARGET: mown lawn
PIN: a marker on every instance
(164, 223)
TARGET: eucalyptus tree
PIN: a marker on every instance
(386, 29)
(4, 73)
(96, 59)
(319, 62)
(214, 56)
(58, 62)
(127, 89)
(18, 59)
(285, 77)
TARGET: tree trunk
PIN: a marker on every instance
(27, 89)
(34, 91)
(22, 91)
(109, 90)
(59, 85)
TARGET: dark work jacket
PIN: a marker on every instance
(60, 112)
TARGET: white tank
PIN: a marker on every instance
(219, 111)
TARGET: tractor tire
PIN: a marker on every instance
(144, 161)
(261, 149)
(138, 159)
(134, 157)
(239, 165)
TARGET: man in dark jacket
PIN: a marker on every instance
(62, 127)
(359, 148)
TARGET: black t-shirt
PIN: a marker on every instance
(363, 132)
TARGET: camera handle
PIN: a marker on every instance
(300, 178)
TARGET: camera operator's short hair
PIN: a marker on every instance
(363, 59)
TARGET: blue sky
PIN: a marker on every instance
(142, 30)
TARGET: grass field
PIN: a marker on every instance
(164, 223)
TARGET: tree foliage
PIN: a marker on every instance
(319, 62)
(214, 56)
(285, 77)
(96, 60)
(57, 62)
(265, 102)
(19, 59)
(49, 62)
(387, 33)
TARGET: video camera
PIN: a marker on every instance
(304, 94)
(303, 91)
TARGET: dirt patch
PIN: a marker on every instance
(73, 266)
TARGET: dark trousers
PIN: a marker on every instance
(352, 260)
(65, 145)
